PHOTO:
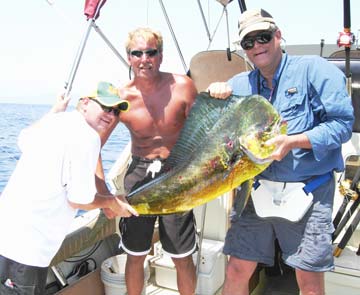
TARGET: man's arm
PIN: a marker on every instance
(60, 104)
(100, 178)
(285, 143)
(116, 204)
(100, 182)
(189, 93)
(102, 188)
(111, 205)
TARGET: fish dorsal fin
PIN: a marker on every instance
(204, 114)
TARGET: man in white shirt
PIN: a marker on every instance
(54, 177)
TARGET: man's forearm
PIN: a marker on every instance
(100, 178)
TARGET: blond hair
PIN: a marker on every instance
(146, 33)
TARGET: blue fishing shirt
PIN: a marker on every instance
(310, 95)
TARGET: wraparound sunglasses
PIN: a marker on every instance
(123, 106)
(248, 42)
(149, 52)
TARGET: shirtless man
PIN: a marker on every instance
(160, 103)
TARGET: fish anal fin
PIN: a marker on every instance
(242, 196)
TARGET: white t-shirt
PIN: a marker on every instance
(58, 162)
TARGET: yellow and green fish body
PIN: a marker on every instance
(211, 155)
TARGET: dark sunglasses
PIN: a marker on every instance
(262, 38)
(116, 110)
(149, 52)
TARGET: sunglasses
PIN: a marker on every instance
(115, 110)
(149, 52)
(262, 38)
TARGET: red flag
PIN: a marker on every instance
(91, 7)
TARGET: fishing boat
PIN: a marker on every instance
(90, 262)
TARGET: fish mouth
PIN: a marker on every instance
(253, 145)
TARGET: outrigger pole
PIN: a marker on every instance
(242, 5)
(204, 20)
(70, 80)
(225, 3)
(173, 35)
(92, 12)
(346, 39)
(347, 30)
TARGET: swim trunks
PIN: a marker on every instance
(177, 232)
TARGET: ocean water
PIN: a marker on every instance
(15, 117)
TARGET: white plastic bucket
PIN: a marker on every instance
(113, 275)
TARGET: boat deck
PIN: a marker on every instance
(270, 284)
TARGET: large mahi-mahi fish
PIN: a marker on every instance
(220, 146)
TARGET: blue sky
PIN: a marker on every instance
(39, 40)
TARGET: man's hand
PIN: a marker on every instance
(285, 143)
(61, 104)
(110, 214)
(119, 207)
(282, 146)
(219, 90)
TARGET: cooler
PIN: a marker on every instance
(211, 271)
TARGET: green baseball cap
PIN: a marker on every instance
(107, 95)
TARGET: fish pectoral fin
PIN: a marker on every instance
(230, 167)
(226, 174)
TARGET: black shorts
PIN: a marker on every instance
(28, 280)
(177, 231)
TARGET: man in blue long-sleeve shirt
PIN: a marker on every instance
(310, 95)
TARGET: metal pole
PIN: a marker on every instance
(173, 35)
(228, 52)
(201, 236)
(322, 42)
(70, 80)
(75, 66)
(117, 53)
(242, 5)
(349, 232)
(347, 198)
(347, 17)
(204, 20)
(346, 217)
(347, 29)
